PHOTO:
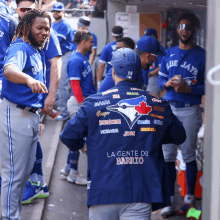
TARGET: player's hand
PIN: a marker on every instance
(36, 86)
(48, 104)
(170, 83)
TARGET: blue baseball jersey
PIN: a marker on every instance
(78, 68)
(125, 129)
(190, 64)
(30, 61)
(52, 50)
(8, 26)
(5, 9)
(106, 54)
(108, 82)
(94, 42)
(64, 33)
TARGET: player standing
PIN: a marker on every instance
(107, 51)
(53, 67)
(151, 75)
(83, 24)
(126, 168)
(23, 89)
(182, 75)
(63, 31)
(81, 80)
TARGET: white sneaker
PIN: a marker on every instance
(75, 177)
(65, 171)
(169, 210)
(190, 199)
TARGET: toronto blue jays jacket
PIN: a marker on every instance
(125, 129)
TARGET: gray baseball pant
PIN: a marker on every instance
(62, 89)
(192, 120)
(121, 211)
(19, 133)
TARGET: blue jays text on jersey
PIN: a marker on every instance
(31, 61)
(190, 64)
(78, 68)
(124, 143)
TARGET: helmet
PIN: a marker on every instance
(126, 63)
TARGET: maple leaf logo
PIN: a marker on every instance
(193, 81)
(143, 109)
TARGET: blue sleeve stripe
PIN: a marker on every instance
(61, 35)
(74, 78)
(102, 61)
(163, 74)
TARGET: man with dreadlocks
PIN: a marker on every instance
(23, 94)
(182, 75)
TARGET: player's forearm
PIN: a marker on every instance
(55, 72)
(100, 71)
(155, 72)
(161, 82)
(92, 56)
(12, 74)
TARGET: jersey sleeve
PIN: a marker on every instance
(163, 74)
(94, 41)
(53, 49)
(175, 133)
(17, 56)
(75, 130)
(74, 69)
(12, 27)
(200, 90)
(104, 55)
(63, 32)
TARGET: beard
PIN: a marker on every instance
(146, 66)
(187, 41)
(33, 40)
(58, 18)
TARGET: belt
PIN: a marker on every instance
(26, 108)
(180, 104)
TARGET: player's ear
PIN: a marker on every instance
(113, 74)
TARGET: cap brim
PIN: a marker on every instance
(57, 10)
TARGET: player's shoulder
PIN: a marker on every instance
(172, 50)
(76, 58)
(19, 45)
(199, 50)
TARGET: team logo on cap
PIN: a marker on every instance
(131, 109)
(130, 74)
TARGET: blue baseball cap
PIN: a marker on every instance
(84, 21)
(149, 45)
(126, 63)
(58, 6)
(150, 32)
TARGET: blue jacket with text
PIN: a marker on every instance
(125, 129)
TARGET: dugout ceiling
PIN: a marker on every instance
(190, 4)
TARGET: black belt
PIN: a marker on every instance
(26, 108)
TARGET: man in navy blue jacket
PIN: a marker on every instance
(125, 129)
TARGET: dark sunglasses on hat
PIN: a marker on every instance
(188, 27)
(24, 9)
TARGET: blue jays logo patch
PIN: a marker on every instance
(131, 109)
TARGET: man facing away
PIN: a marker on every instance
(125, 128)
